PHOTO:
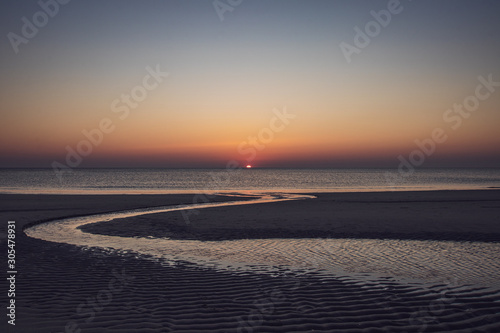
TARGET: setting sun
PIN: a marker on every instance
(373, 126)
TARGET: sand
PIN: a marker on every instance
(439, 215)
(62, 288)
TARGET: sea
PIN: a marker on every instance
(151, 181)
(410, 261)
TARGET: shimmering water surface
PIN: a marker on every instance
(467, 262)
(463, 262)
(101, 181)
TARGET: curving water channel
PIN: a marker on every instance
(462, 262)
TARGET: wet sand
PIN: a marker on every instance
(429, 215)
(62, 288)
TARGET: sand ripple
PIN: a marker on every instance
(311, 285)
(464, 262)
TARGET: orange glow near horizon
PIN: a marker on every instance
(216, 105)
(307, 140)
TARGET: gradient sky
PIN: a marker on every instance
(226, 77)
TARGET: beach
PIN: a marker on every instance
(439, 215)
(235, 166)
(65, 288)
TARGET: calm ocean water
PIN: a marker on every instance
(220, 180)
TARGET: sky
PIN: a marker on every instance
(275, 83)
